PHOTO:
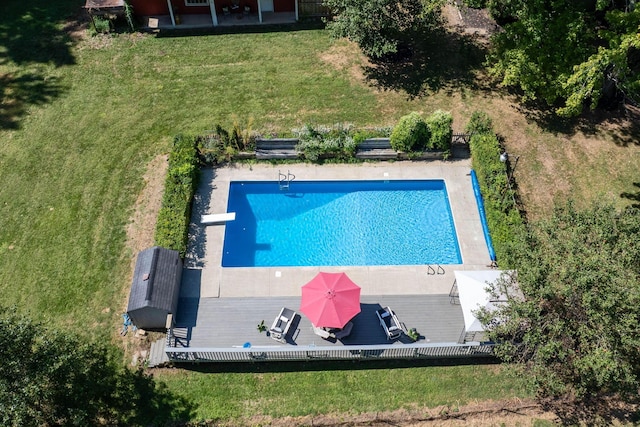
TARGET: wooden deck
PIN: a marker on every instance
(232, 322)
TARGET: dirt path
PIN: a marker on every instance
(490, 413)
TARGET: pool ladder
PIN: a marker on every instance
(285, 180)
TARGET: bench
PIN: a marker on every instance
(281, 148)
(376, 148)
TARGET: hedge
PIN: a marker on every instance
(182, 176)
(503, 217)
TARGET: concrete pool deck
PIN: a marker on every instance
(204, 277)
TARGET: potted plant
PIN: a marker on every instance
(413, 334)
(262, 327)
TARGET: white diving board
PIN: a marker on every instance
(217, 218)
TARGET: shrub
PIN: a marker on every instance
(128, 13)
(101, 25)
(218, 146)
(173, 218)
(411, 133)
(242, 136)
(316, 143)
(479, 122)
(503, 217)
(440, 125)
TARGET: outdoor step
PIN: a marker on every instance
(157, 355)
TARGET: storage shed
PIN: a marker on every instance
(155, 287)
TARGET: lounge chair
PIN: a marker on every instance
(390, 323)
(281, 324)
(323, 333)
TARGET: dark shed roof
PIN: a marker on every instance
(155, 287)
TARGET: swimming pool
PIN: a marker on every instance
(339, 223)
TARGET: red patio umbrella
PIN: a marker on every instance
(330, 300)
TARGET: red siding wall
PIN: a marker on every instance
(284, 6)
(159, 7)
(149, 7)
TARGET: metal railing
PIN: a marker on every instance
(351, 352)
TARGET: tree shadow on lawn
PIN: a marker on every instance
(18, 93)
(634, 197)
(148, 402)
(436, 59)
(33, 34)
(622, 122)
(596, 410)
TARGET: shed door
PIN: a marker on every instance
(266, 5)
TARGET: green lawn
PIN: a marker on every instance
(278, 394)
(79, 121)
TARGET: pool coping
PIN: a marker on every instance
(204, 277)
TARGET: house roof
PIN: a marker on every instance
(155, 279)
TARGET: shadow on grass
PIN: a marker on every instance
(437, 59)
(32, 33)
(623, 122)
(634, 197)
(147, 402)
(595, 410)
(311, 24)
(333, 365)
(18, 93)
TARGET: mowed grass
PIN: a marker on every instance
(80, 121)
(72, 167)
(334, 391)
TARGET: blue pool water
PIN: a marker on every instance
(339, 223)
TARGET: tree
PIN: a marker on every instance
(571, 54)
(574, 333)
(613, 72)
(51, 378)
(380, 26)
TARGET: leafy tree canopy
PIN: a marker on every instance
(574, 332)
(571, 54)
(51, 378)
(380, 26)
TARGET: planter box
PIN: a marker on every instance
(277, 148)
(425, 155)
(376, 148)
(244, 155)
(369, 149)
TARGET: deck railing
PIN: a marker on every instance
(350, 352)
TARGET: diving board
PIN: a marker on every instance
(217, 218)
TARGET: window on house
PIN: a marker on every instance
(196, 2)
